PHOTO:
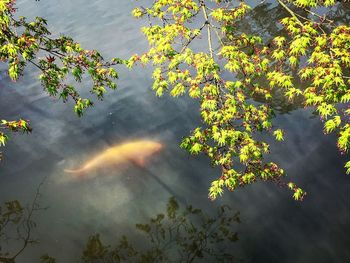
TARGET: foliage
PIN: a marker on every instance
(176, 236)
(226, 79)
(24, 42)
(12, 126)
(311, 50)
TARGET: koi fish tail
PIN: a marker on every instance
(75, 171)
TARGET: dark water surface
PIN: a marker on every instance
(274, 228)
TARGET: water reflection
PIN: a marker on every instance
(274, 229)
(176, 235)
(17, 224)
(261, 21)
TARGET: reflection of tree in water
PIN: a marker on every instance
(16, 225)
(178, 235)
(341, 15)
(261, 21)
(175, 236)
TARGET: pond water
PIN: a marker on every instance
(274, 228)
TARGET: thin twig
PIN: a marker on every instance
(208, 27)
(217, 35)
(322, 18)
(191, 39)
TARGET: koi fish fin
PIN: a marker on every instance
(140, 162)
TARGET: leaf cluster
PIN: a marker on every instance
(24, 42)
(231, 119)
(7, 127)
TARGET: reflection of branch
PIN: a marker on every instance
(6, 260)
(26, 223)
(180, 236)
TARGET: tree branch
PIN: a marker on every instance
(290, 12)
(208, 27)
